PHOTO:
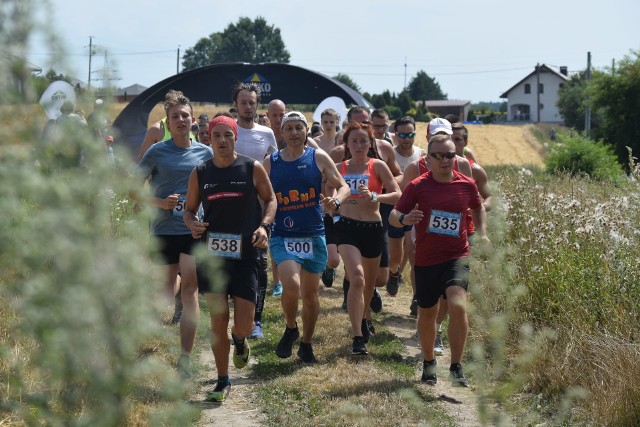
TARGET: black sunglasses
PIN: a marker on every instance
(449, 155)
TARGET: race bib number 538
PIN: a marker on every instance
(302, 247)
(445, 223)
(225, 245)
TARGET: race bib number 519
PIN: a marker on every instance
(302, 247)
(445, 223)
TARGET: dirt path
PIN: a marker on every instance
(240, 408)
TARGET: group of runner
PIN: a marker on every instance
(310, 203)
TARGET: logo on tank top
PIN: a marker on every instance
(296, 200)
(288, 222)
(263, 84)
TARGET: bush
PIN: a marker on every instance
(577, 155)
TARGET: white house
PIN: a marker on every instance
(523, 97)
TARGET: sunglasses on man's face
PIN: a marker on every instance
(405, 135)
(449, 155)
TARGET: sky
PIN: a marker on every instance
(476, 51)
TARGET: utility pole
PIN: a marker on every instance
(613, 67)
(538, 92)
(587, 106)
(90, 55)
(178, 61)
(405, 73)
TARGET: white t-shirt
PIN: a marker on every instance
(403, 162)
(256, 143)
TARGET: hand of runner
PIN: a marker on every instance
(260, 238)
(364, 192)
(197, 228)
(413, 217)
(328, 203)
(482, 247)
(170, 201)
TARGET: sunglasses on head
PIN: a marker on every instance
(449, 155)
(404, 135)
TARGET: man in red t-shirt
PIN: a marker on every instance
(436, 203)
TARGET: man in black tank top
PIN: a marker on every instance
(234, 227)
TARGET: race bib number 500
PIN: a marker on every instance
(225, 245)
(445, 223)
(302, 247)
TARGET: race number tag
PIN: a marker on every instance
(355, 181)
(181, 206)
(445, 223)
(225, 245)
(301, 247)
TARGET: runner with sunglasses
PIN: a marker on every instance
(399, 246)
(436, 204)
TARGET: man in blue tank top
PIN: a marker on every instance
(298, 244)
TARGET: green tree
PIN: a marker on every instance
(616, 97)
(404, 102)
(422, 88)
(571, 98)
(345, 79)
(246, 41)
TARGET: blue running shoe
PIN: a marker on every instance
(277, 289)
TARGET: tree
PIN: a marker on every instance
(616, 97)
(247, 41)
(345, 79)
(422, 88)
(571, 97)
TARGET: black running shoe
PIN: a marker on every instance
(366, 333)
(305, 352)
(285, 346)
(393, 283)
(372, 329)
(457, 376)
(429, 372)
(413, 310)
(328, 276)
(358, 347)
(376, 302)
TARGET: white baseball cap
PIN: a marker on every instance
(440, 125)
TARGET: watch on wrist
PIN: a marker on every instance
(374, 196)
(337, 202)
(267, 228)
(400, 218)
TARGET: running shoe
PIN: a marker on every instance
(372, 329)
(184, 366)
(366, 333)
(285, 346)
(376, 302)
(429, 372)
(257, 331)
(220, 392)
(328, 276)
(277, 289)
(359, 347)
(177, 311)
(457, 376)
(305, 352)
(413, 309)
(438, 348)
(393, 283)
(241, 352)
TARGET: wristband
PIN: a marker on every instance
(267, 228)
(400, 218)
(374, 196)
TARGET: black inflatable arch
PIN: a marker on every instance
(213, 83)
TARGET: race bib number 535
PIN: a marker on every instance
(225, 245)
(302, 247)
(445, 223)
